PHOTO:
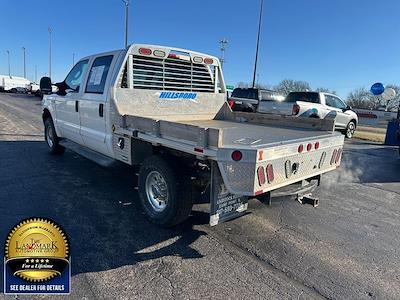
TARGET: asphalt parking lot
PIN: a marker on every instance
(347, 248)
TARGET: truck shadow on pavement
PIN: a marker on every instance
(97, 207)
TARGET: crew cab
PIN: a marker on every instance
(248, 99)
(164, 111)
(314, 105)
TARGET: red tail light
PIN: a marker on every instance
(261, 175)
(338, 155)
(295, 109)
(230, 103)
(316, 146)
(208, 61)
(270, 173)
(236, 155)
(300, 149)
(309, 147)
(145, 51)
(333, 158)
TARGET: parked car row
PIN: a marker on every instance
(14, 84)
(299, 104)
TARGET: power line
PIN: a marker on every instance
(126, 2)
(50, 31)
(23, 49)
(258, 43)
(223, 44)
(9, 64)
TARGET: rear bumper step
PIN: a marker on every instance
(301, 193)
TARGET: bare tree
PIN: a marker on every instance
(289, 85)
(362, 98)
(393, 104)
(325, 90)
(242, 84)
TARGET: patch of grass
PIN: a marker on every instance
(374, 135)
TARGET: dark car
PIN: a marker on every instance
(247, 99)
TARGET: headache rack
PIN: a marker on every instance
(172, 74)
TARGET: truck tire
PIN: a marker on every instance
(13, 90)
(165, 194)
(350, 129)
(51, 137)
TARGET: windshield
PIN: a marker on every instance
(303, 96)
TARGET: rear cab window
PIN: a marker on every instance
(98, 74)
(303, 96)
(267, 95)
(245, 93)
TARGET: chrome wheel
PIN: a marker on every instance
(156, 191)
(50, 136)
(351, 128)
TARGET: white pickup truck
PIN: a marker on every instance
(314, 105)
(165, 110)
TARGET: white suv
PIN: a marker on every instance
(314, 105)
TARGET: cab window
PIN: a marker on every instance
(75, 76)
(330, 101)
(98, 74)
(339, 103)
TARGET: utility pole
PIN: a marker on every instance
(126, 2)
(73, 59)
(9, 65)
(223, 44)
(23, 49)
(258, 43)
(35, 73)
(50, 31)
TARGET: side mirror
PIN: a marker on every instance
(45, 85)
(346, 108)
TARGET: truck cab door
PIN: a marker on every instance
(66, 103)
(93, 105)
(334, 103)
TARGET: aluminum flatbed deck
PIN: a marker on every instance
(245, 135)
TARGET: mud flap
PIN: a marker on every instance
(224, 205)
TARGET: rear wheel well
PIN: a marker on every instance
(354, 121)
(46, 114)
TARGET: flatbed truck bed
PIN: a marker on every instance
(164, 110)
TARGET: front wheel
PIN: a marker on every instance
(51, 137)
(350, 129)
(165, 195)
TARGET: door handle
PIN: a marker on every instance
(101, 109)
(76, 106)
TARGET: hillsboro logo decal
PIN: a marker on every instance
(178, 96)
(37, 259)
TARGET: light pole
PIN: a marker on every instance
(50, 31)
(223, 44)
(258, 42)
(24, 50)
(9, 65)
(126, 2)
(35, 73)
